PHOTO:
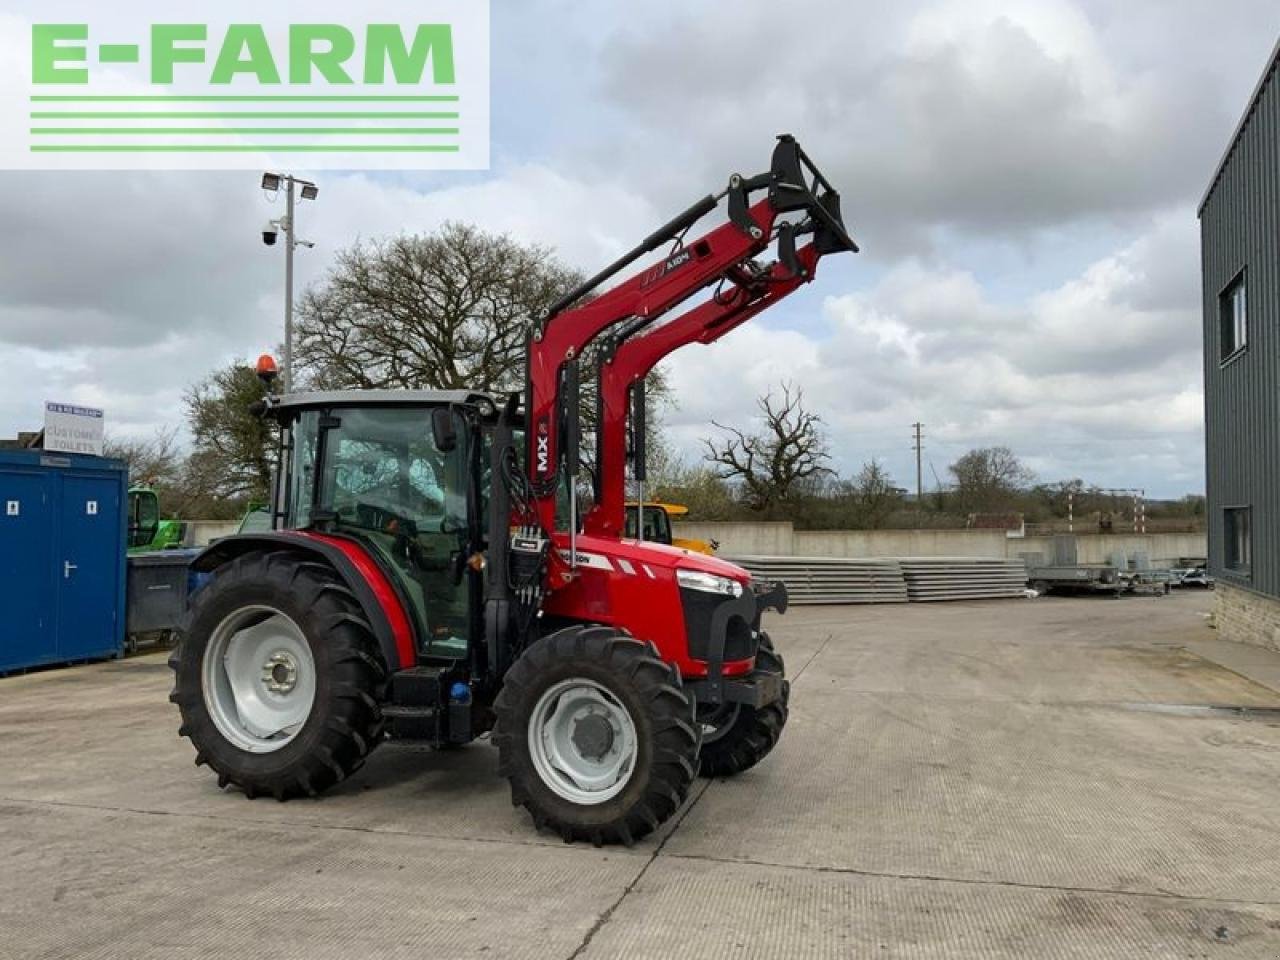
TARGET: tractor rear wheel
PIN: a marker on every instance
(277, 676)
(595, 735)
(736, 737)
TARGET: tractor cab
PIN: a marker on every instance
(144, 518)
(399, 473)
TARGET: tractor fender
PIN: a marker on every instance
(372, 589)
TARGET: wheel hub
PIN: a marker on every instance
(280, 672)
(593, 736)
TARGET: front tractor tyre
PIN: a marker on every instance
(736, 737)
(595, 735)
(277, 676)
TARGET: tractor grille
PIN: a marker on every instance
(740, 642)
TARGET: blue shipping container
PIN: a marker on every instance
(62, 557)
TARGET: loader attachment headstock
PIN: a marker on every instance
(796, 184)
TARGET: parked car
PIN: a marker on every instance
(1197, 578)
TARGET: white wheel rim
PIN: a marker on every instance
(582, 741)
(259, 679)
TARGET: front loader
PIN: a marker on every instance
(428, 577)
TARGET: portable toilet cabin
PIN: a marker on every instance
(62, 558)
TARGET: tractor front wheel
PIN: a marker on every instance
(277, 675)
(736, 737)
(595, 735)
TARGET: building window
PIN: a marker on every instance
(1238, 538)
(1233, 318)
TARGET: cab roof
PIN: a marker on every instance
(382, 398)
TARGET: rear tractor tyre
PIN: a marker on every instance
(595, 735)
(736, 737)
(277, 676)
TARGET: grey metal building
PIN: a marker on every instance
(1240, 262)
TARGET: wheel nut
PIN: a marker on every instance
(280, 673)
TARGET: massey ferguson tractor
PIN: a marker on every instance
(427, 575)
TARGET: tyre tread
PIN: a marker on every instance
(654, 683)
(352, 725)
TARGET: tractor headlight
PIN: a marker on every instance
(708, 583)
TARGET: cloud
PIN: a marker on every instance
(1097, 377)
(992, 116)
(1022, 175)
(121, 289)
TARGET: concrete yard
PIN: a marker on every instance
(1050, 778)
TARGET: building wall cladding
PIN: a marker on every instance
(1247, 617)
(1240, 230)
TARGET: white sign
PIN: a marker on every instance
(12, 507)
(244, 85)
(72, 429)
(91, 508)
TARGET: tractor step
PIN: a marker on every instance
(399, 711)
(412, 722)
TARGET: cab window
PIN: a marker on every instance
(657, 526)
(385, 480)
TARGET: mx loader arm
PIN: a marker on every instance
(724, 255)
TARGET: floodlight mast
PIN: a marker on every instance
(271, 183)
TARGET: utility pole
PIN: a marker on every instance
(271, 183)
(919, 448)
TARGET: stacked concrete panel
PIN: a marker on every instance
(963, 578)
(832, 579)
(890, 579)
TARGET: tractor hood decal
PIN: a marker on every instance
(641, 558)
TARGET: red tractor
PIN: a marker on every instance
(428, 577)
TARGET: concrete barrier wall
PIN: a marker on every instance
(900, 543)
(779, 539)
(200, 532)
(1163, 549)
(743, 539)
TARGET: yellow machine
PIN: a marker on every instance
(657, 526)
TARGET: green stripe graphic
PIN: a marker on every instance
(241, 148)
(177, 98)
(255, 115)
(241, 131)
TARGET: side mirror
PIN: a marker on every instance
(443, 430)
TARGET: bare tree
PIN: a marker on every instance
(155, 461)
(875, 494)
(447, 310)
(987, 479)
(775, 463)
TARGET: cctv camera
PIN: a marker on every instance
(269, 234)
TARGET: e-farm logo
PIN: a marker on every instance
(244, 92)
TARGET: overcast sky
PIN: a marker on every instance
(1023, 178)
